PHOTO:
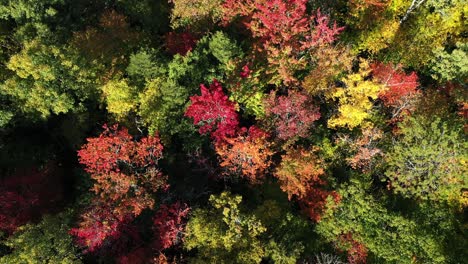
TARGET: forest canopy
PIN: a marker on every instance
(233, 131)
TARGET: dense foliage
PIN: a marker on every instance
(233, 131)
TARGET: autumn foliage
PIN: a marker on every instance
(125, 171)
(213, 112)
(250, 131)
(301, 176)
(284, 30)
(247, 155)
(365, 148)
(292, 115)
(98, 224)
(126, 175)
(169, 223)
(357, 252)
(180, 43)
(399, 86)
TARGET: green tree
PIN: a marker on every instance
(429, 161)
(451, 66)
(223, 234)
(45, 242)
(229, 233)
(389, 237)
(48, 79)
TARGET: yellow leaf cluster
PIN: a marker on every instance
(120, 97)
(354, 100)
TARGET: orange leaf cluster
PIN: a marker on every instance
(125, 171)
(301, 175)
(247, 155)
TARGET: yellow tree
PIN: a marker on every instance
(354, 99)
(120, 97)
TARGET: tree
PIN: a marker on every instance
(109, 41)
(98, 224)
(45, 242)
(195, 12)
(360, 223)
(357, 252)
(428, 162)
(224, 234)
(329, 63)
(447, 66)
(169, 224)
(167, 85)
(48, 79)
(120, 96)
(365, 149)
(284, 31)
(213, 112)
(180, 43)
(399, 87)
(161, 107)
(407, 37)
(126, 177)
(247, 90)
(227, 232)
(125, 171)
(292, 115)
(302, 176)
(353, 99)
(247, 155)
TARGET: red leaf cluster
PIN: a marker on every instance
(357, 252)
(316, 199)
(126, 177)
(284, 30)
(292, 115)
(124, 170)
(97, 224)
(169, 224)
(399, 85)
(180, 43)
(27, 194)
(246, 71)
(213, 112)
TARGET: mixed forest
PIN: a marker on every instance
(233, 131)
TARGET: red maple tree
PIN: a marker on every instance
(292, 115)
(399, 85)
(213, 112)
(98, 223)
(125, 171)
(169, 224)
(284, 30)
(126, 177)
